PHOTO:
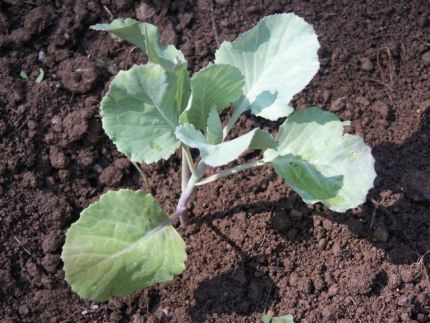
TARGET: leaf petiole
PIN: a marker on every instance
(231, 171)
(185, 172)
(186, 151)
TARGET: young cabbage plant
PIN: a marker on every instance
(125, 241)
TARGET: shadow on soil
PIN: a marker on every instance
(401, 229)
(243, 290)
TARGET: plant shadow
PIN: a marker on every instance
(396, 216)
(401, 229)
(243, 290)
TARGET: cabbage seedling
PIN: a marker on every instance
(125, 241)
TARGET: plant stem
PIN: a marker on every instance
(181, 207)
(195, 181)
(185, 173)
(189, 158)
(186, 196)
(231, 171)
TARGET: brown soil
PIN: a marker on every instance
(253, 245)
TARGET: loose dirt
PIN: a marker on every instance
(253, 245)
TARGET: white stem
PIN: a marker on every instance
(185, 173)
(187, 192)
(230, 171)
(189, 158)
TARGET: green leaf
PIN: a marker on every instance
(147, 38)
(141, 111)
(215, 85)
(266, 318)
(214, 128)
(40, 76)
(278, 58)
(321, 163)
(120, 244)
(23, 75)
(226, 152)
(279, 319)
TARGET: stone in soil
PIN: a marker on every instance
(417, 185)
(366, 64)
(78, 74)
(426, 59)
(145, 12)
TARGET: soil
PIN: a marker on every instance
(253, 245)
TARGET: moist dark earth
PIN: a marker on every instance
(253, 245)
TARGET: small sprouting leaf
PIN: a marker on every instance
(214, 128)
(278, 58)
(40, 76)
(226, 152)
(147, 38)
(278, 319)
(122, 243)
(23, 75)
(320, 162)
(215, 85)
(141, 111)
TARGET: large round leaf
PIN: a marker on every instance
(321, 163)
(278, 58)
(120, 244)
(141, 111)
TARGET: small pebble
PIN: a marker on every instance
(381, 108)
(366, 64)
(426, 59)
(145, 12)
(380, 234)
(362, 101)
(425, 105)
(337, 105)
(322, 244)
(417, 185)
(113, 69)
(252, 9)
(123, 4)
(337, 251)
(333, 290)
(41, 56)
(326, 95)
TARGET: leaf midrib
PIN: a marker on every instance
(132, 245)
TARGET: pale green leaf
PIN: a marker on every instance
(215, 85)
(278, 58)
(214, 128)
(226, 152)
(122, 243)
(23, 75)
(266, 318)
(147, 38)
(141, 111)
(277, 319)
(320, 162)
(40, 76)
